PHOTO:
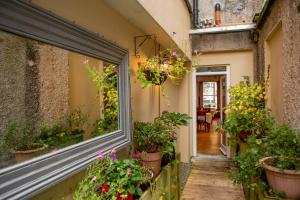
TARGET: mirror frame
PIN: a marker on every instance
(25, 180)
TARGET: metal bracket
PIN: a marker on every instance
(140, 40)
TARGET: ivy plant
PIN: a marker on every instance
(106, 84)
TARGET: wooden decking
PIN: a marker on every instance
(208, 181)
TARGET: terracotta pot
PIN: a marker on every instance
(150, 76)
(152, 160)
(26, 155)
(287, 181)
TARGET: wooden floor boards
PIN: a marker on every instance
(209, 181)
(208, 142)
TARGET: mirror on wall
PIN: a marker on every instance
(52, 98)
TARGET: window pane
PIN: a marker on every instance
(210, 94)
(51, 98)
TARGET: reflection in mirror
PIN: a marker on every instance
(51, 98)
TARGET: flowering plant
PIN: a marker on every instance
(111, 179)
(155, 70)
(246, 113)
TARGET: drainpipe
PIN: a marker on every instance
(195, 14)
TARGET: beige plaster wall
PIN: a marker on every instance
(274, 64)
(82, 89)
(96, 16)
(172, 16)
(240, 62)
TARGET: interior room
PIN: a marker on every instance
(211, 98)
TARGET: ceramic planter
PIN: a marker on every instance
(28, 154)
(287, 181)
(153, 160)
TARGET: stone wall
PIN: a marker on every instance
(33, 81)
(54, 83)
(232, 11)
(288, 13)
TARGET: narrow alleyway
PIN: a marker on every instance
(209, 181)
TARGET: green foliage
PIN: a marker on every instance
(283, 144)
(121, 176)
(106, 83)
(21, 136)
(248, 170)
(151, 136)
(168, 63)
(175, 119)
(246, 111)
(160, 134)
(57, 135)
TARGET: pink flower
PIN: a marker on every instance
(129, 171)
(174, 53)
(173, 33)
(113, 151)
(136, 155)
(100, 155)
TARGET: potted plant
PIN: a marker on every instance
(22, 139)
(151, 139)
(110, 178)
(246, 113)
(174, 120)
(282, 161)
(167, 64)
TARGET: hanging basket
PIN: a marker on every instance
(150, 76)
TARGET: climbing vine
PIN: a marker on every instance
(106, 84)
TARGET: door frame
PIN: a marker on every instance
(194, 101)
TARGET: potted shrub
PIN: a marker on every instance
(282, 161)
(151, 139)
(246, 113)
(110, 178)
(174, 120)
(23, 140)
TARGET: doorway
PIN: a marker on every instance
(210, 85)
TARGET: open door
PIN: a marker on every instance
(223, 139)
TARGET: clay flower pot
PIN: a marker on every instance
(287, 181)
(152, 160)
(28, 154)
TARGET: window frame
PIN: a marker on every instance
(215, 95)
(26, 179)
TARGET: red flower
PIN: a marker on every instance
(128, 197)
(104, 188)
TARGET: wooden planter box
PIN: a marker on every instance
(166, 185)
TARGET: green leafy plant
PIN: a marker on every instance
(152, 136)
(247, 170)
(283, 144)
(167, 64)
(106, 84)
(246, 113)
(21, 136)
(111, 179)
